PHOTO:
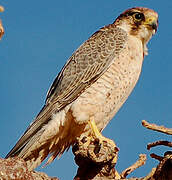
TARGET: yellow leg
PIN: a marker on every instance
(94, 128)
(97, 133)
(101, 138)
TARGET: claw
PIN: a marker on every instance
(98, 135)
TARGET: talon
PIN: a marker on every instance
(98, 135)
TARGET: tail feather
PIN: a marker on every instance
(42, 119)
(52, 138)
(39, 155)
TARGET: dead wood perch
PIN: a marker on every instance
(16, 169)
(97, 162)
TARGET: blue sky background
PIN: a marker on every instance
(41, 35)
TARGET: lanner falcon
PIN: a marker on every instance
(91, 87)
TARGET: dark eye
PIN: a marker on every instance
(138, 16)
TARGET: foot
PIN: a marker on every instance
(98, 135)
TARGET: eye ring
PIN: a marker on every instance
(138, 16)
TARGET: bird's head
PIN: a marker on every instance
(140, 22)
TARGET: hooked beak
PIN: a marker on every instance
(152, 22)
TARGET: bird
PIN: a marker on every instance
(90, 88)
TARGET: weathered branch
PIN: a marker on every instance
(164, 168)
(155, 127)
(94, 165)
(16, 169)
(137, 164)
(157, 143)
(157, 157)
(95, 160)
